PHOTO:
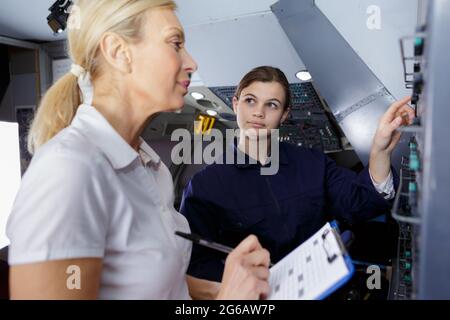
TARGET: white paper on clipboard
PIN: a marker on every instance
(313, 270)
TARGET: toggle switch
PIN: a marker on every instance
(417, 67)
(412, 188)
(418, 84)
(419, 45)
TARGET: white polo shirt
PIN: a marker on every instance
(87, 193)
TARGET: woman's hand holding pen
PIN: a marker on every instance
(387, 137)
(246, 274)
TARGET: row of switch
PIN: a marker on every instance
(414, 165)
(414, 161)
(406, 265)
(418, 82)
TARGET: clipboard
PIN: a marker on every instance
(314, 270)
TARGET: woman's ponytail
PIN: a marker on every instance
(56, 111)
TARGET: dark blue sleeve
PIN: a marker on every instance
(352, 197)
(202, 217)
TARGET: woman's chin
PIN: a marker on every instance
(175, 110)
(176, 107)
(256, 134)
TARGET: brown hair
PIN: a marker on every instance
(266, 74)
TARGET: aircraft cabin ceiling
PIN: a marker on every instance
(229, 37)
(26, 19)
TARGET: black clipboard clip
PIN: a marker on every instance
(334, 231)
(330, 257)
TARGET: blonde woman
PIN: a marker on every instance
(94, 217)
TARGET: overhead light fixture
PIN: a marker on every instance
(303, 75)
(212, 113)
(197, 95)
(59, 14)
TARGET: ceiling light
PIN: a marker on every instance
(212, 113)
(197, 95)
(304, 75)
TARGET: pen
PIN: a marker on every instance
(206, 243)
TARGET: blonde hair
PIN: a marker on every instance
(60, 103)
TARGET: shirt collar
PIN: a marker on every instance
(247, 164)
(148, 155)
(92, 123)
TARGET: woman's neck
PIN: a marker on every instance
(127, 119)
(257, 149)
